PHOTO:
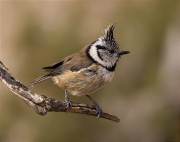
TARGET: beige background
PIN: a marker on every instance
(145, 88)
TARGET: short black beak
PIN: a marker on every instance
(124, 52)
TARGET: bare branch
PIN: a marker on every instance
(42, 104)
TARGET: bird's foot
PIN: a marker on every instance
(68, 102)
(98, 109)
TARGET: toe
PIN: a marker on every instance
(68, 105)
(99, 111)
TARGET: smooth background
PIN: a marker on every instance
(145, 88)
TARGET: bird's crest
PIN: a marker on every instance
(108, 33)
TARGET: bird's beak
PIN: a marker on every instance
(123, 52)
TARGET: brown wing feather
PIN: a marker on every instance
(74, 62)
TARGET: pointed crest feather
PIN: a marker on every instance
(108, 33)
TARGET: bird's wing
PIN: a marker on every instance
(74, 62)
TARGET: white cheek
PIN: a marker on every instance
(93, 53)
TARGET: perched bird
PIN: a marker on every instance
(88, 70)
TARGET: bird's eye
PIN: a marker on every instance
(111, 51)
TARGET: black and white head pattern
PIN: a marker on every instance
(105, 50)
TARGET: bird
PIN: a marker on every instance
(88, 70)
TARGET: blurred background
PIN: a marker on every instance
(144, 91)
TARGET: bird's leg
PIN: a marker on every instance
(99, 110)
(68, 102)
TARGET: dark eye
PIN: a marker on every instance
(111, 51)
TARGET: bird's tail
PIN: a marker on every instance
(38, 80)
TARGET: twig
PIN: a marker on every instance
(42, 104)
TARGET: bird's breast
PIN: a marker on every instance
(84, 81)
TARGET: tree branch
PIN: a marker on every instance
(42, 104)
